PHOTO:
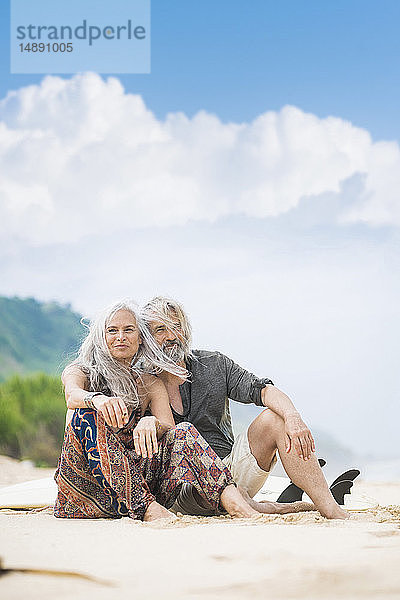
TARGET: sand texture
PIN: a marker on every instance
(293, 556)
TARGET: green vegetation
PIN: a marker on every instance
(32, 418)
(36, 336)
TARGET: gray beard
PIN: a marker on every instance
(174, 353)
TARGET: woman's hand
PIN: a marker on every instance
(113, 409)
(145, 437)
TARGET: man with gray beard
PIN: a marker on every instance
(202, 398)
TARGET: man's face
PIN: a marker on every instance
(169, 337)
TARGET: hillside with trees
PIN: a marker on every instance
(36, 336)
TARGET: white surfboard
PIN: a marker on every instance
(40, 493)
(29, 494)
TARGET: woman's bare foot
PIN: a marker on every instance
(234, 503)
(155, 512)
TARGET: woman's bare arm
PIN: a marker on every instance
(75, 383)
(75, 387)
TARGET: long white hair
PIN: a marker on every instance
(105, 373)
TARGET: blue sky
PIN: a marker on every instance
(249, 175)
(239, 59)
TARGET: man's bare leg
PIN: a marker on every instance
(266, 435)
(276, 508)
(265, 507)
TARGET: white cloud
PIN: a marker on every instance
(380, 202)
(81, 156)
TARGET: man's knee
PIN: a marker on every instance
(267, 422)
(263, 434)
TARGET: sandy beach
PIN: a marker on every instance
(291, 556)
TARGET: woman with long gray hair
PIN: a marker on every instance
(116, 460)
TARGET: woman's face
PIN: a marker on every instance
(122, 336)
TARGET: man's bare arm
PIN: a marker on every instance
(298, 435)
(151, 428)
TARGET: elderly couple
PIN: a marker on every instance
(149, 432)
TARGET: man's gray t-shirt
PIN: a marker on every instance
(214, 380)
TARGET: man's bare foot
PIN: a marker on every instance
(234, 503)
(336, 513)
(155, 512)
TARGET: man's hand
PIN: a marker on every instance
(298, 436)
(113, 409)
(145, 437)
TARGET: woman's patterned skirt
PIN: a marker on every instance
(99, 474)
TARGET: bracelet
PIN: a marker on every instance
(88, 399)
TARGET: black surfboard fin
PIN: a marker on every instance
(291, 494)
(343, 484)
(350, 475)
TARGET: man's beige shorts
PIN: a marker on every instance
(245, 472)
